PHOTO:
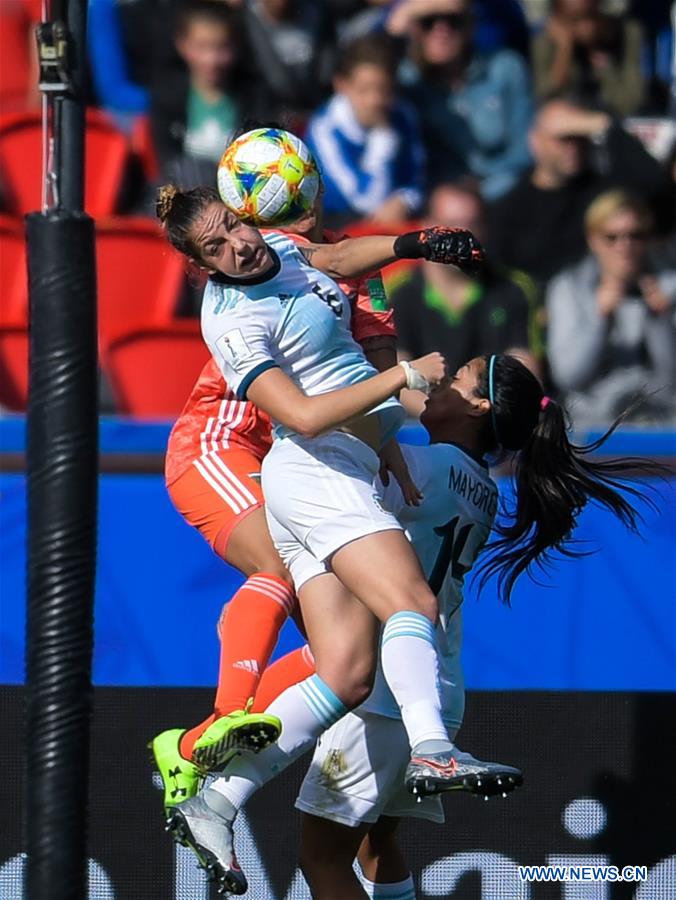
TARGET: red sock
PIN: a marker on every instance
(249, 630)
(287, 671)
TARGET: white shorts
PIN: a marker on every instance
(320, 496)
(357, 774)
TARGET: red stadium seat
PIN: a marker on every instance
(152, 372)
(17, 45)
(13, 367)
(13, 274)
(107, 155)
(139, 277)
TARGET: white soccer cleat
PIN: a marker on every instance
(210, 837)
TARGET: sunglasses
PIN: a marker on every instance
(569, 138)
(457, 21)
(612, 237)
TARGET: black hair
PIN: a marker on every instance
(177, 210)
(554, 478)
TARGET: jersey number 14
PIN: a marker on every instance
(453, 540)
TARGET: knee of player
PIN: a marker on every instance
(417, 598)
(280, 571)
(429, 606)
(352, 682)
(357, 688)
(359, 692)
(268, 563)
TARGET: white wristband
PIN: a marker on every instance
(415, 381)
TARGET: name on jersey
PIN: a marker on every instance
(474, 491)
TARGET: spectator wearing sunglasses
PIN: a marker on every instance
(497, 24)
(612, 330)
(475, 108)
(578, 153)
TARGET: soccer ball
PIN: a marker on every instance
(268, 177)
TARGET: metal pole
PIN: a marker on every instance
(72, 156)
(62, 459)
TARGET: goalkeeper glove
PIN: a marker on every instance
(451, 246)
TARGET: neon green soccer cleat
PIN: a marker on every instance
(180, 777)
(239, 730)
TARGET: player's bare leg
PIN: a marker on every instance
(250, 549)
(383, 571)
(380, 858)
(327, 851)
(343, 636)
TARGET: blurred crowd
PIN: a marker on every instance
(523, 121)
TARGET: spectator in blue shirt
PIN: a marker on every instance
(475, 108)
(117, 90)
(366, 141)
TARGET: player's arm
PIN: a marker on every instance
(277, 395)
(354, 257)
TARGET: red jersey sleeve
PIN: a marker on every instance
(371, 315)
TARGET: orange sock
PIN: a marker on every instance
(249, 631)
(287, 671)
(187, 742)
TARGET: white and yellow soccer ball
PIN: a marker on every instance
(268, 177)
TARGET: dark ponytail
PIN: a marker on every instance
(554, 478)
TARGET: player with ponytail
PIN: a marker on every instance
(492, 406)
(212, 471)
(277, 325)
(554, 478)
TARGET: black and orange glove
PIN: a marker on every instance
(450, 246)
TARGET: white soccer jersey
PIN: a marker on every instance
(297, 319)
(448, 530)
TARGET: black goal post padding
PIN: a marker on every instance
(61, 464)
(62, 459)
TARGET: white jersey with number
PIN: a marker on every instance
(295, 318)
(448, 530)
